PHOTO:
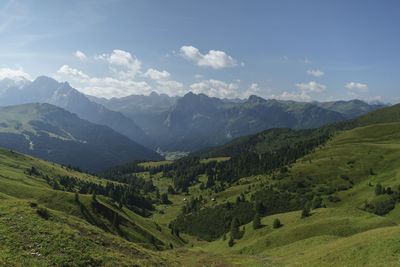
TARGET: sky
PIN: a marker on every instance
(288, 49)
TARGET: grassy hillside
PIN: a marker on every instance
(51, 133)
(30, 192)
(349, 184)
(273, 139)
(42, 226)
(343, 233)
(350, 109)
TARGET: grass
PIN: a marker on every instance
(367, 155)
(341, 234)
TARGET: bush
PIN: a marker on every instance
(257, 221)
(380, 205)
(277, 223)
(305, 212)
(333, 199)
(316, 203)
(378, 189)
(231, 242)
(42, 212)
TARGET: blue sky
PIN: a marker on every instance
(301, 50)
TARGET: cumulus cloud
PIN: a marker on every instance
(215, 88)
(125, 71)
(104, 86)
(14, 74)
(157, 75)
(303, 93)
(123, 64)
(311, 87)
(80, 55)
(315, 73)
(172, 88)
(73, 73)
(360, 87)
(214, 58)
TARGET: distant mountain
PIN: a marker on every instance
(350, 109)
(195, 121)
(198, 121)
(273, 139)
(47, 90)
(52, 133)
(149, 112)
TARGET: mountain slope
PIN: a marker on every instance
(344, 173)
(194, 121)
(149, 112)
(198, 121)
(350, 109)
(47, 90)
(273, 139)
(43, 226)
(51, 133)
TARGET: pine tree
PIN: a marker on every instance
(235, 228)
(277, 223)
(231, 242)
(257, 221)
(378, 189)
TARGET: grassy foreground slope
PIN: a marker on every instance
(343, 233)
(35, 219)
(40, 226)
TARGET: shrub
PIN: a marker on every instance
(231, 242)
(378, 189)
(42, 212)
(380, 205)
(305, 212)
(277, 223)
(333, 199)
(257, 221)
(316, 203)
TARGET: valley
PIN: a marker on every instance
(335, 203)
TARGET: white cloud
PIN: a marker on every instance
(130, 64)
(80, 55)
(214, 58)
(315, 73)
(360, 87)
(311, 87)
(302, 96)
(172, 88)
(104, 86)
(14, 74)
(73, 73)
(157, 75)
(215, 88)
(305, 89)
(254, 89)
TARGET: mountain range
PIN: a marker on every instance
(187, 123)
(54, 134)
(47, 90)
(195, 121)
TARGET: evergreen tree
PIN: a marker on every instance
(164, 198)
(316, 203)
(231, 242)
(277, 223)
(305, 212)
(257, 221)
(235, 228)
(378, 189)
